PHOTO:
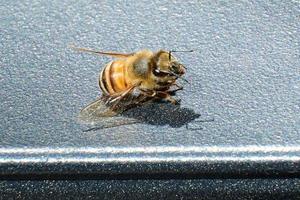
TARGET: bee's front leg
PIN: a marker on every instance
(179, 87)
(166, 96)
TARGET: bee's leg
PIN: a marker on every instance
(161, 95)
(115, 97)
(179, 87)
(148, 93)
(120, 96)
(143, 98)
(167, 97)
(146, 96)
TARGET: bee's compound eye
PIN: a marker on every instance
(174, 67)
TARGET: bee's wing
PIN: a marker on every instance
(114, 54)
(101, 115)
(96, 109)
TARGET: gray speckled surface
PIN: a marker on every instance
(244, 73)
(153, 189)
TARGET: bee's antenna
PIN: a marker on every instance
(114, 54)
(174, 74)
(178, 51)
(182, 51)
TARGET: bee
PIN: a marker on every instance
(150, 73)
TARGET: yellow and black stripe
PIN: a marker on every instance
(113, 78)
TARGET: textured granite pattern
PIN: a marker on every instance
(244, 74)
(153, 189)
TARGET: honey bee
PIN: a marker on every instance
(151, 74)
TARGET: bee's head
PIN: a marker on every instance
(167, 65)
(177, 68)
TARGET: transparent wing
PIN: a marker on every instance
(97, 109)
(101, 114)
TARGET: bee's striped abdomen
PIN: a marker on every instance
(112, 78)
